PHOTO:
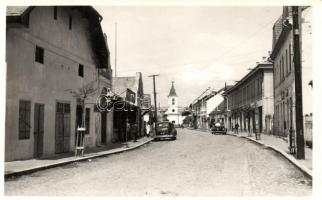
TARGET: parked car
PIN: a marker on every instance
(218, 127)
(165, 130)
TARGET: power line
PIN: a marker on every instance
(254, 34)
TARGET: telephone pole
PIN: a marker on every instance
(115, 58)
(300, 146)
(155, 101)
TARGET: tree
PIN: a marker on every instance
(81, 94)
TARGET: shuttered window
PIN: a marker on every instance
(24, 119)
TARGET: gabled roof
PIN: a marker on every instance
(20, 14)
(172, 92)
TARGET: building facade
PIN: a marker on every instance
(250, 101)
(284, 79)
(130, 92)
(217, 107)
(51, 51)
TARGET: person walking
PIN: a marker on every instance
(236, 127)
(148, 129)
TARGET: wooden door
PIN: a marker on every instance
(62, 135)
(38, 130)
(79, 112)
(66, 127)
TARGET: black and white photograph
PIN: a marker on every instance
(159, 99)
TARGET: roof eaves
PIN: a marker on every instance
(280, 41)
(247, 76)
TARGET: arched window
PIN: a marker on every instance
(173, 101)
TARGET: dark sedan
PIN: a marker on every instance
(165, 130)
(218, 127)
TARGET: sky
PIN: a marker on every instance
(196, 47)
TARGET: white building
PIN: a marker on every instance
(173, 113)
(284, 73)
(50, 52)
(213, 103)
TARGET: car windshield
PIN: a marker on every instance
(162, 126)
(217, 124)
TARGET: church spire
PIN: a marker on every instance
(172, 91)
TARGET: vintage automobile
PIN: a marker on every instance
(165, 130)
(218, 127)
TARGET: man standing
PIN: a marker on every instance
(236, 127)
(148, 128)
(134, 130)
(127, 131)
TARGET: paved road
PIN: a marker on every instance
(196, 164)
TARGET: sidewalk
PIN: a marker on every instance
(281, 146)
(21, 167)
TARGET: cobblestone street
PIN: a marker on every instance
(196, 164)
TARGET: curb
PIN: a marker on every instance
(48, 166)
(292, 160)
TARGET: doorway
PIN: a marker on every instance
(79, 117)
(103, 127)
(62, 134)
(260, 118)
(38, 130)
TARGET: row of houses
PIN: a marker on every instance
(206, 108)
(263, 101)
(58, 65)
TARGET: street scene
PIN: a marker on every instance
(158, 101)
(174, 168)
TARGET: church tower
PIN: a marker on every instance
(173, 100)
(173, 114)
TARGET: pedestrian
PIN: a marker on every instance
(236, 127)
(148, 129)
(144, 128)
(134, 130)
(127, 131)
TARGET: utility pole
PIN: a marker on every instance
(115, 59)
(155, 101)
(300, 146)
